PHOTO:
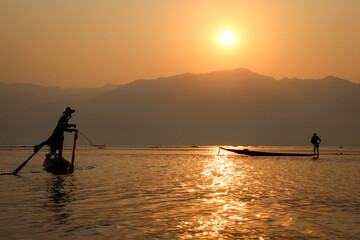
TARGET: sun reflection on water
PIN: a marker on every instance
(221, 177)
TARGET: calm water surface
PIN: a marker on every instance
(182, 193)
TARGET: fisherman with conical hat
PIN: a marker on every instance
(56, 140)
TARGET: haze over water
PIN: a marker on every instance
(182, 193)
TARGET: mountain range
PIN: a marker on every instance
(232, 107)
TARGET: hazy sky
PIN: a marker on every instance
(88, 43)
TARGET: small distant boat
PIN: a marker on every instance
(57, 165)
(257, 153)
(99, 146)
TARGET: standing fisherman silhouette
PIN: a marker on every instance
(56, 140)
(315, 140)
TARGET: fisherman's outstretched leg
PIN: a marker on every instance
(38, 147)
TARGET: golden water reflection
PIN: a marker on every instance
(222, 178)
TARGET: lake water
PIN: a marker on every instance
(123, 192)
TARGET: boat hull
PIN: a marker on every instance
(257, 153)
(57, 165)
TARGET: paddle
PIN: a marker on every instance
(24, 163)
(71, 167)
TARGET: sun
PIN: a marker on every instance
(227, 38)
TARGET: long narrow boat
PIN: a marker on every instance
(257, 153)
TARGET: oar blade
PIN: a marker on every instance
(24, 163)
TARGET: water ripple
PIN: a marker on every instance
(181, 193)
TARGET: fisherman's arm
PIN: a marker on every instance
(69, 129)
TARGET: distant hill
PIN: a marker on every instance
(30, 112)
(26, 88)
(235, 107)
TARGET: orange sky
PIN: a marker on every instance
(89, 43)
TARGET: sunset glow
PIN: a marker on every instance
(227, 38)
(153, 119)
(118, 42)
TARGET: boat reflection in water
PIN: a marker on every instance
(60, 192)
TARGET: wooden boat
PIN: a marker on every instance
(59, 165)
(99, 146)
(257, 153)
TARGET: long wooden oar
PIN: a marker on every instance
(71, 167)
(24, 163)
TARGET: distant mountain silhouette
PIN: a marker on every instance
(236, 107)
(26, 88)
(30, 112)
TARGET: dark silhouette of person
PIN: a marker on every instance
(56, 140)
(315, 140)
